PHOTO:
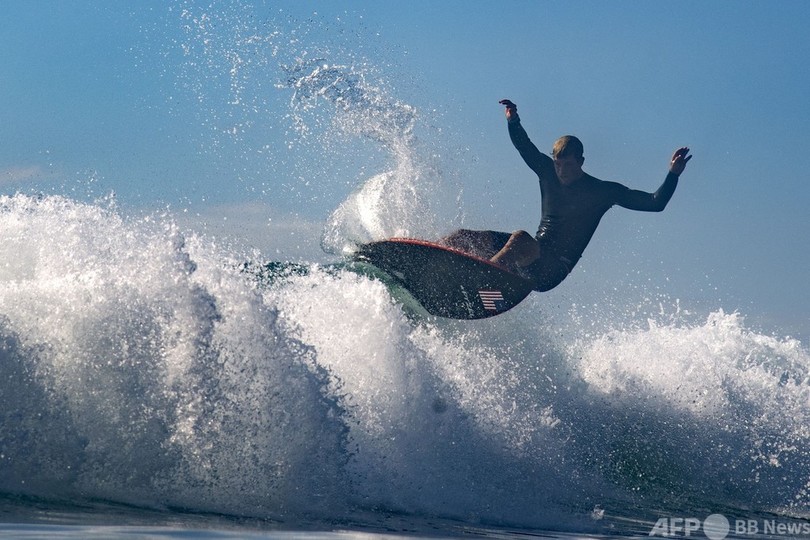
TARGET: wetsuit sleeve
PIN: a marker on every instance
(534, 158)
(634, 199)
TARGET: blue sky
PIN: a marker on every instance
(128, 97)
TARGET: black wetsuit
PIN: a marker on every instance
(571, 213)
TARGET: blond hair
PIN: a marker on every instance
(568, 145)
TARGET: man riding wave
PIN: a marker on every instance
(573, 203)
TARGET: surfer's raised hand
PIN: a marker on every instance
(511, 108)
(679, 160)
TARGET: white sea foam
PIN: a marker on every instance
(406, 200)
(142, 365)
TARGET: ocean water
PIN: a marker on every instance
(151, 387)
(148, 379)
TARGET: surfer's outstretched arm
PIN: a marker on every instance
(534, 158)
(656, 202)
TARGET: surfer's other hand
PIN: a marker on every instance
(679, 160)
(511, 108)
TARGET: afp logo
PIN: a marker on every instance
(715, 527)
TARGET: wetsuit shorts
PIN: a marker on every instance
(548, 271)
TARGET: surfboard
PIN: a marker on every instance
(445, 281)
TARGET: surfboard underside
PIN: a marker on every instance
(446, 282)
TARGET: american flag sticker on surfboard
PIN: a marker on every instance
(492, 300)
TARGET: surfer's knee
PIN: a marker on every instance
(521, 236)
(526, 245)
(521, 249)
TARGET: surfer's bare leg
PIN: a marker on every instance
(478, 243)
(520, 250)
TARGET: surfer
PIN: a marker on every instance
(573, 203)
